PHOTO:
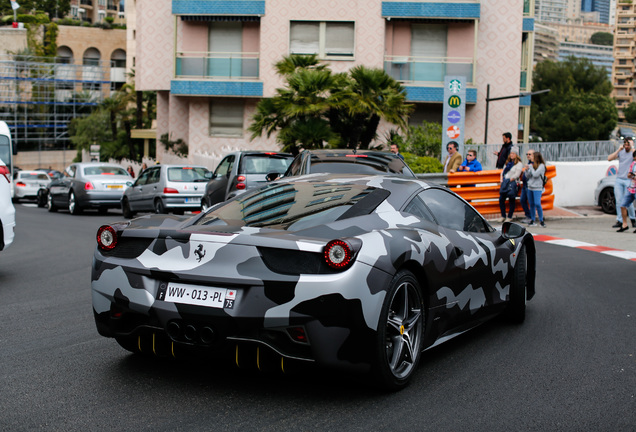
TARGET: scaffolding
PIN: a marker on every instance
(40, 96)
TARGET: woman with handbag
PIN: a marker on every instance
(536, 176)
(508, 178)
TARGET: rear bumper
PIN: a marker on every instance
(101, 199)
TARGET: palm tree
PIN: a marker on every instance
(368, 96)
(317, 106)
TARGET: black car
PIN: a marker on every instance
(240, 171)
(340, 161)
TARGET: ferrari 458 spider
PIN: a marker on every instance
(344, 271)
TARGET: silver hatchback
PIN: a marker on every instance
(165, 188)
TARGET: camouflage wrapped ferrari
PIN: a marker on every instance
(344, 271)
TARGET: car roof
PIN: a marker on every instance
(392, 183)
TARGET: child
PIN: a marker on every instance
(471, 163)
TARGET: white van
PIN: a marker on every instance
(7, 211)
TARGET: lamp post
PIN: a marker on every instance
(488, 99)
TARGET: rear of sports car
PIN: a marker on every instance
(262, 296)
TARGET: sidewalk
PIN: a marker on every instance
(585, 224)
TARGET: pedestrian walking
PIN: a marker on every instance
(535, 174)
(524, 189)
(508, 179)
(630, 194)
(624, 156)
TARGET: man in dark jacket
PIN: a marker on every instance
(503, 154)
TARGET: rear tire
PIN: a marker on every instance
(400, 333)
(42, 197)
(159, 207)
(50, 206)
(73, 206)
(125, 209)
(516, 310)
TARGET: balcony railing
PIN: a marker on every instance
(428, 69)
(217, 65)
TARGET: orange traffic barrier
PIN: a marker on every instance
(481, 189)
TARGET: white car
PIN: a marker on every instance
(7, 211)
(27, 184)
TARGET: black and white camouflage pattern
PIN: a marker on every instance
(465, 276)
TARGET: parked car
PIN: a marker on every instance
(7, 211)
(354, 272)
(164, 188)
(240, 171)
(88, 185)
(29, 184)
(348, 161)
(604, 194)
(54, 174)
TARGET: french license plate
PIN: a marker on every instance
(198, 295)
(114, 186)
(193, 200)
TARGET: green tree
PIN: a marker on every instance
(578, 106)
(54, 8)
(317, 106)
(602, 38)
(630, 112)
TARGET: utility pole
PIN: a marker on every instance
(489, 99)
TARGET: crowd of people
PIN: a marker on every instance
(529, 177)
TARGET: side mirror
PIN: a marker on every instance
(511, 230)
(209, 175)
(273, 176)
(129, 183)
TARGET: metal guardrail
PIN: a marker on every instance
(572, 151)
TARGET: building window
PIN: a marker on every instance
(226, 117)
(331, 39)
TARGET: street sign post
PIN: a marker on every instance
(454, 112)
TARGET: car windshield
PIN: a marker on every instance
(292, 206)
(104, 170)
(187, 174)
(32, 176)
(264, 163)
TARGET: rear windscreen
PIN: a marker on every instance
(264, 164)
(25, 176)
(104, 170)
(292, 206)
(188, 174)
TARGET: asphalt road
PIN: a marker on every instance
(570, 367)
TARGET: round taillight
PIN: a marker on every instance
(337, 254)
(106, 237)
(240, 186)
(240, 179)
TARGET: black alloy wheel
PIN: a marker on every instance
(607, 201)
(400, 332)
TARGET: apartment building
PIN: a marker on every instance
(624, 53)
(94, 11)
(212, 61)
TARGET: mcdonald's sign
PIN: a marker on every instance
(454, 101)
(454, 112)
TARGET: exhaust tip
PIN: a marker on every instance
(190, 333)
(208, 335)
(174, 330)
